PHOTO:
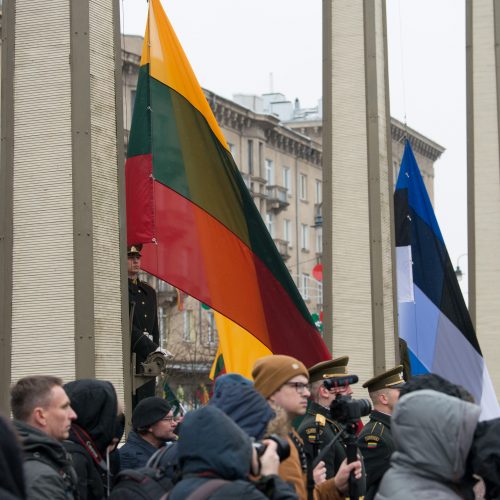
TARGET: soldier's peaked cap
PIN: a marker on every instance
(134, 250)
(391, 379)
(332, 368)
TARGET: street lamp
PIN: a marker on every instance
(458, 272)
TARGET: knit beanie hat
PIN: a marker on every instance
(271, 372)
(149, 411)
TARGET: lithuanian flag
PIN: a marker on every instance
(188, 204)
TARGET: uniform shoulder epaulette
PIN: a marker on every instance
(334, 424)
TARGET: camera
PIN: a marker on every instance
(344, 409)
(335, 382)
(283, 448)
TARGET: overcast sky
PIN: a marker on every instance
(243, 46)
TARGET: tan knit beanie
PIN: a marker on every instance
(271, 372)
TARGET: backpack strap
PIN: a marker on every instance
(152, 483)
(207, 488)
(156, 457)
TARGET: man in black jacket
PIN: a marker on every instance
(145, 336)
(94, 435)
(153, 424)
(43, 416)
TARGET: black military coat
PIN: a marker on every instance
(145, 334)
(314, 442)
(376, 445)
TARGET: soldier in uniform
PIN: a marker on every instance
(375, 440)
(318, 429)
(143, 309)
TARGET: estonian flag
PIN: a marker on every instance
(433, 317)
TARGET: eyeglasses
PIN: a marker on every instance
(300, 387)
(168, 419)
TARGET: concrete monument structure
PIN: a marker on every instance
(63, 300)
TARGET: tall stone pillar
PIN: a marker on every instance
(63, 300)
(483, 175)
(359, 281)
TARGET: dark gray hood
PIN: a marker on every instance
(433, 434)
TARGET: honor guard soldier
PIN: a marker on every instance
(318, 429)
(144, 319)
(375, 440)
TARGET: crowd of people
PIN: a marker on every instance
(423, 439)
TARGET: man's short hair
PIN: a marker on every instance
(30, 392)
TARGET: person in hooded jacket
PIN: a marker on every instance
(11, 463)
(94, 435)
(211, 446)
(239, 400)
(433, 434)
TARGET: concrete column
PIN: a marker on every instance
(64, 306)
(359, 281)
(483, 172)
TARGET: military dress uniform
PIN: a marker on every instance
(145, 335)
(375, 440)
(318, 429)
(316, 435)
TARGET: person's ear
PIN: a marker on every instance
(39, 416)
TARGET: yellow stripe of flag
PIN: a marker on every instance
(239, 348)
(168, 64)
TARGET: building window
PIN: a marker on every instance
(287, 180)
(211, 329)
(270, 172)
(319, 240)
(188, 333)
(319, 192)
(231, 148)
(250, 156)
(304, 236)
(303, 186)
(287, 231)
(304, 286)
(270, 223)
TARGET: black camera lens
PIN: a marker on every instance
(344, 409)
(283, 448)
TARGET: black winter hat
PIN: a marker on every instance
(149, 411)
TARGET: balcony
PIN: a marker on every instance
(282, 247)
(318, 215)
(277, 198)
